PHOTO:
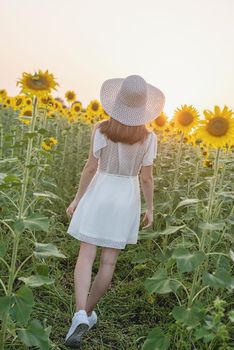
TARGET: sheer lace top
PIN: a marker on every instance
(123, 159)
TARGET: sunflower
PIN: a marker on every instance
(9, 101)
(168, 130)
(160, 123)
(186, 139)
(185, 118)
(59, 99)
(39, 83)
(19, 101)
(76, 107)
(207, 163)
(70, 96)
(53, 140)
(25, 115)
(3, 94)
(52, 114)
(46, 101)
(48, 143)
(28, 101)
(25, 121)
(26, 111)
(94, 107)
(46, 146)
(217, 130)
(83, 116)
(57, 105)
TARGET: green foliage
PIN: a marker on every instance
(156, 340)
(184, 261)
(35, 335)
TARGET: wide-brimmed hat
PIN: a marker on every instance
(131, 100)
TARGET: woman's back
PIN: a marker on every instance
(123, 159)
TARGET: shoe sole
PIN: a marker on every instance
(75, 339)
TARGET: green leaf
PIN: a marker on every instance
(199, 184)
(186, 261)
(147, 234)
(140, 258)
(231, 315)
(220, 279)
(213, 226)
(160, 283)
(205, 334)
(228, 195)
(24, 302)
(18, 226)
(171, 229)
(46, 194)
(156, 340)
(163, 256)
(231, 253)
(34, 222)
(30, 134)
(37, 222)
(42, 269)
(8, 179)
(5, 304)
(189, 316)
(36, 280)
(42, 131)
(2, 177)
(8, 160)
(44, 250)
(35, 335)
(188, 201)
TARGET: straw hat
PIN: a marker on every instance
(131, 101)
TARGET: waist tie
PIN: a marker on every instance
(110, 174)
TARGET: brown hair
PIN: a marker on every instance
(118, 132)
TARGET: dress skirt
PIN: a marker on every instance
(108, 214)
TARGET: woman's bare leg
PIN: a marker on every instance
(83, 273)
(108, 259)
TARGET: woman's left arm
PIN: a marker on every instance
(88, 171)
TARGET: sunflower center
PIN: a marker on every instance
(95, 106)
(217, 126)
(185, 118)
(70, 95)
(44, 100)
(19, 101)
(28, 113)
(77, 108)
(160, 121)
(38, 82)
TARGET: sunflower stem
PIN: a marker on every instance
(177, 167)
(16, 240)
(205, 237)
(1, 141)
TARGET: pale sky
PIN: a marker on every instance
(184, 47)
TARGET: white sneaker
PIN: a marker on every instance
(92, 319)
(80, 324)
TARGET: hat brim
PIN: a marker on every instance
(129, 115)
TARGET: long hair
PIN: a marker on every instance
(118, 132)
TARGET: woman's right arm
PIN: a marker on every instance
(147, 185)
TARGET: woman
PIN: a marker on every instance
(106, 209)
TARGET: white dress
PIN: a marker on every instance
(108, 214)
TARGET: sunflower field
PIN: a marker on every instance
(174, 289)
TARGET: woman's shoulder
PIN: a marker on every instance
(151, 135)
